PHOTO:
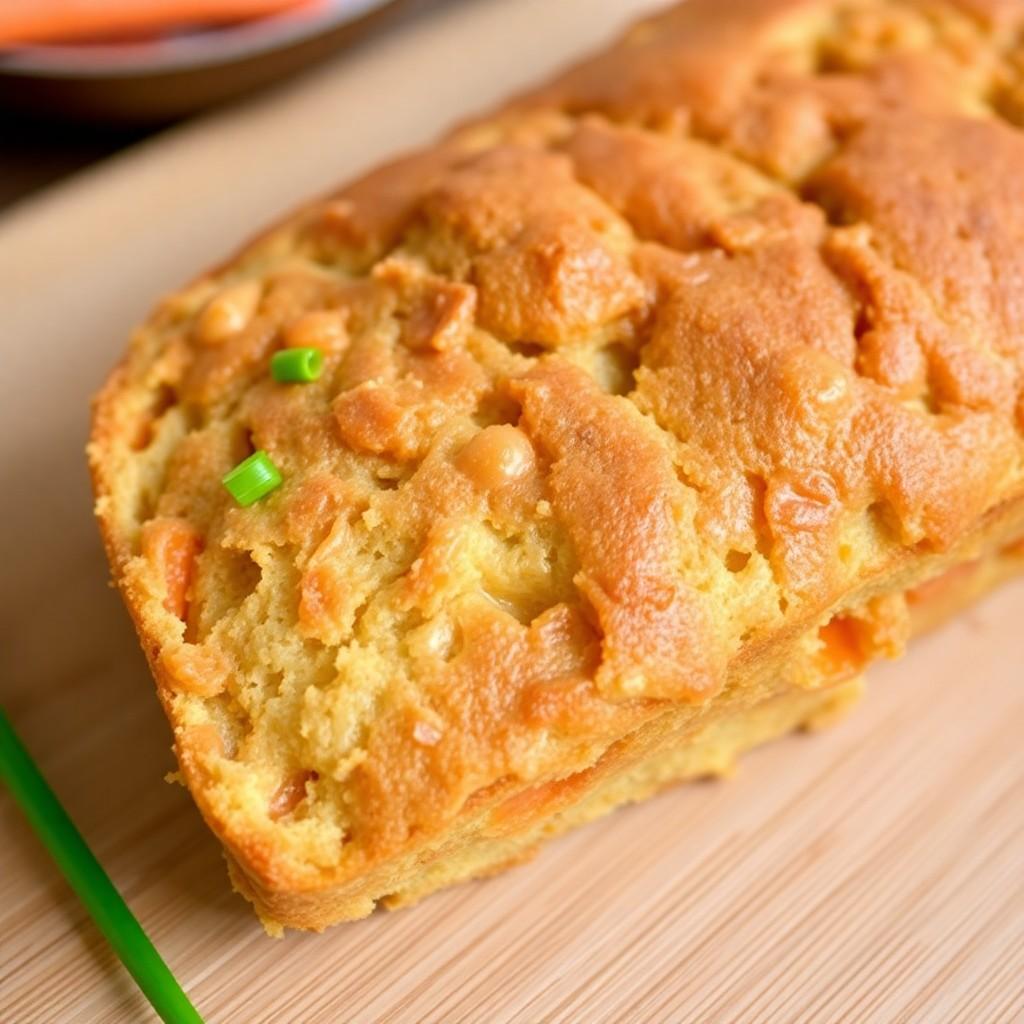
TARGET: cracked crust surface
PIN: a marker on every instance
(646, 399)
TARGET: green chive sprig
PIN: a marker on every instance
(80, 867)
(297, 365)
(252, 478)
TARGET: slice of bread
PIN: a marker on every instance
(646, 402)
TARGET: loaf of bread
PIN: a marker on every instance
(654, 406)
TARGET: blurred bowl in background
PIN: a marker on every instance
(159, 80)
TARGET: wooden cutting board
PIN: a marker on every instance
(871, 873)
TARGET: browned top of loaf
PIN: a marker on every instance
(660, 360)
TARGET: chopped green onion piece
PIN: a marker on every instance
(251, 479)
(80, 867)
(297, 364)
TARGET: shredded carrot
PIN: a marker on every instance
(290, 794)
(840, 655)
(944, 584)
(1014, 548)
(64, 21)
(172, 545)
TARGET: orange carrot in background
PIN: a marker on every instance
(64, 21)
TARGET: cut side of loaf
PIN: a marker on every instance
(655, 406)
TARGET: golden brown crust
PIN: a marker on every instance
(645, 399)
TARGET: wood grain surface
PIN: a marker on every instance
(874, 872)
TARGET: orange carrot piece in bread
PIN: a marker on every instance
(840, 656)
(171, 545)
(63, 21)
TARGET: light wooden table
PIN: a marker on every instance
(871, 873)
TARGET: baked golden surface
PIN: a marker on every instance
(647, 399)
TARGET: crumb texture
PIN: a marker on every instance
(645, 398)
